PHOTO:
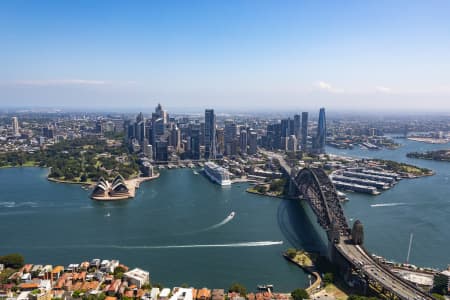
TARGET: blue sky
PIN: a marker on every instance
(229, 54)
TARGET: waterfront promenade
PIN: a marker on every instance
(131, 184)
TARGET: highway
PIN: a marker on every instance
(362, 261)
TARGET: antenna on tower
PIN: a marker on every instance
(409, 248)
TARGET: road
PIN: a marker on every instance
(361, 260)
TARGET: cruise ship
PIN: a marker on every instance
(217, 174)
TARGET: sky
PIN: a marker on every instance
(230, 55)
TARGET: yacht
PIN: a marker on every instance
(217, 174)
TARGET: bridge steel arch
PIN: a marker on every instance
(314, 185)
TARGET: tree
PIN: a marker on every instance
(13, 260)
(83, 178)
(438, 296)
(238, 288)
(76, 294)
(291, 253)
(261, 189)
(299, 294)
(328, 278)
(119, 269)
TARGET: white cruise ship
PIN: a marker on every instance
(217, 174)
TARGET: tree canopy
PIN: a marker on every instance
(13, 260)
(299, 294)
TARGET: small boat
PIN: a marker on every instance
(232, 214)
(195, 172)
(108, 215)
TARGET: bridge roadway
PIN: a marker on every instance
(364, 262)
(377, 273)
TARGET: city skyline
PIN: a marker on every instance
(238, 55)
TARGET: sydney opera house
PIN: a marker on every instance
(117, 190)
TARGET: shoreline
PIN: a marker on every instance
(309, 270)
(252, 191)
(132, 184)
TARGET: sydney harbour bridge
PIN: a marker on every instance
(345, 244)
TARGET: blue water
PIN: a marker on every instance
(178, 228)
(419, 206)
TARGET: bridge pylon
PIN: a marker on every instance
(293, 189)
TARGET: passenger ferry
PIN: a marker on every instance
(217, 174)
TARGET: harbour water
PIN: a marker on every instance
(179, 226)
(419, 206)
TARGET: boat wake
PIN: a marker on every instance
(231, 245)
(12, 204)
(225, 221)
(388, 204)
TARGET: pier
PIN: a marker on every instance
(345, 245)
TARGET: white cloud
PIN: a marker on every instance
(328, 87)
(383, 89)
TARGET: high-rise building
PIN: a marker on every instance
(297, 127)
(140, 131)
(220, 138)
(253, 143)
(15, 126)
(230, 138)
(210, 134)
(304, 143)
(160, 113)
(48, 132)
(161, 151)
(195, 143)
(274, 136)
(175, 138)
(140, 117)
(287, 127)
(147, 148)
(292, 143)
(243, 141)
(321, 132)
(129, 130)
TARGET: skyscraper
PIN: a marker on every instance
(321, 132)
(15, 125)
(160, 113)
(304, 131)
(195, 143)
(230, 136)
(210, 134)
(243, 141)
(285, 127)
(253, 143)
(292, 143)
(297, 127)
